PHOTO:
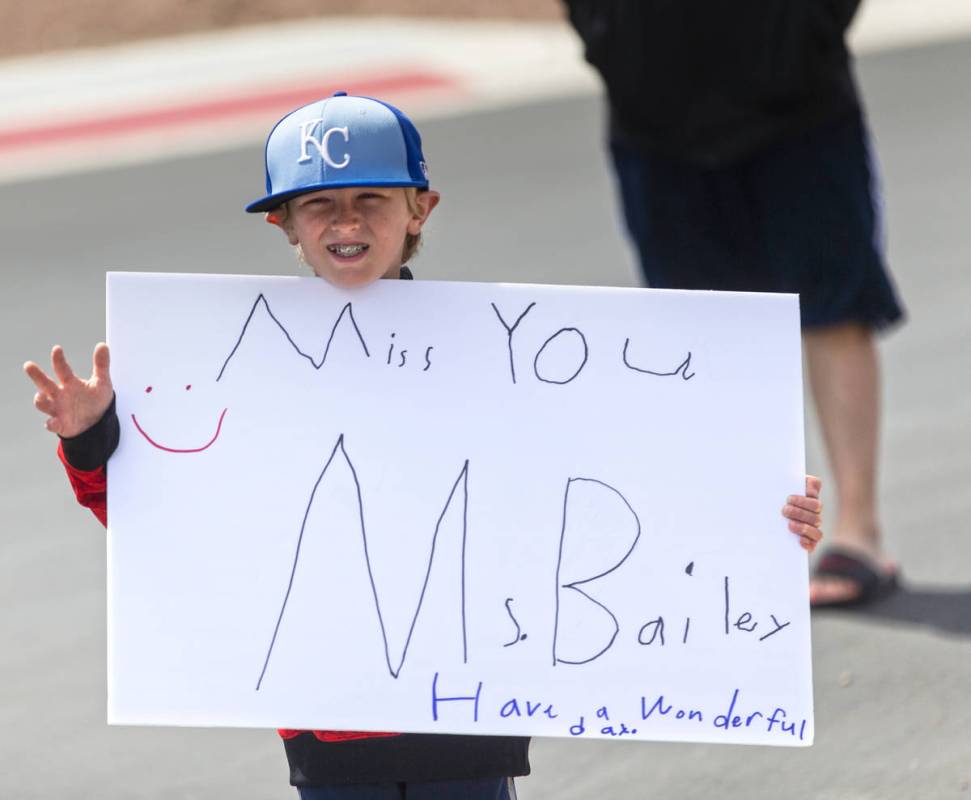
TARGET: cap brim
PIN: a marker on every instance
(272, 201)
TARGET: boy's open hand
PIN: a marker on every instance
(72, 405)
(804, 513)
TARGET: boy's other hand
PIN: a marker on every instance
(804, 513)
(72, 405)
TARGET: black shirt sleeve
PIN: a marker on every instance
(92, 448)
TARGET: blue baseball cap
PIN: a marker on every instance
(337, 142)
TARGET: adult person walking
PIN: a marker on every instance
(741, 150)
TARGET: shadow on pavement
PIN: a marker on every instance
(947, 610)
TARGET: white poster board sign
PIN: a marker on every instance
(457, 508)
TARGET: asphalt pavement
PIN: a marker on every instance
(527, 196)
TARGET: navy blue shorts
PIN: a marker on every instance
(801, 216)
(490, 789)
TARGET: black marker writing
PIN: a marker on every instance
(727, 631)
(509, 332)
(393, 669)
(681, 369)
(580, 366)
(348, 309)
(575, 585)
(744, 620)
(778, 628)
(519, 636)
(657, 626)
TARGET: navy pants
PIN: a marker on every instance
(492, 789)
(802, 215)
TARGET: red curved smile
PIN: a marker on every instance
(208, 444)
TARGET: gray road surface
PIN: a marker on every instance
(527, 198)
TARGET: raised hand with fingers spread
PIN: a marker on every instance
(72, 404)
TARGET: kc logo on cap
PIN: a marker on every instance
(322, 144)
(338, 142)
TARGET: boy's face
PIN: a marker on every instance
(354, 236)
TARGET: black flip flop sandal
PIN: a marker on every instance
(871, 583)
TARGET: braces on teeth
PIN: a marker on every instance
(348, 249)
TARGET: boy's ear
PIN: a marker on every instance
(281, 218)
(426, 202)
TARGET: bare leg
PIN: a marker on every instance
(844, 377)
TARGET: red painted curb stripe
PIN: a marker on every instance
(280, 100)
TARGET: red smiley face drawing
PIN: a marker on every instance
(153, 443)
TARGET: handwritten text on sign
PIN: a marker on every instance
(457, 508)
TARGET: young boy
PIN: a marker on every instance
(347, 184)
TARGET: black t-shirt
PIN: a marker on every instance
(710, 81)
